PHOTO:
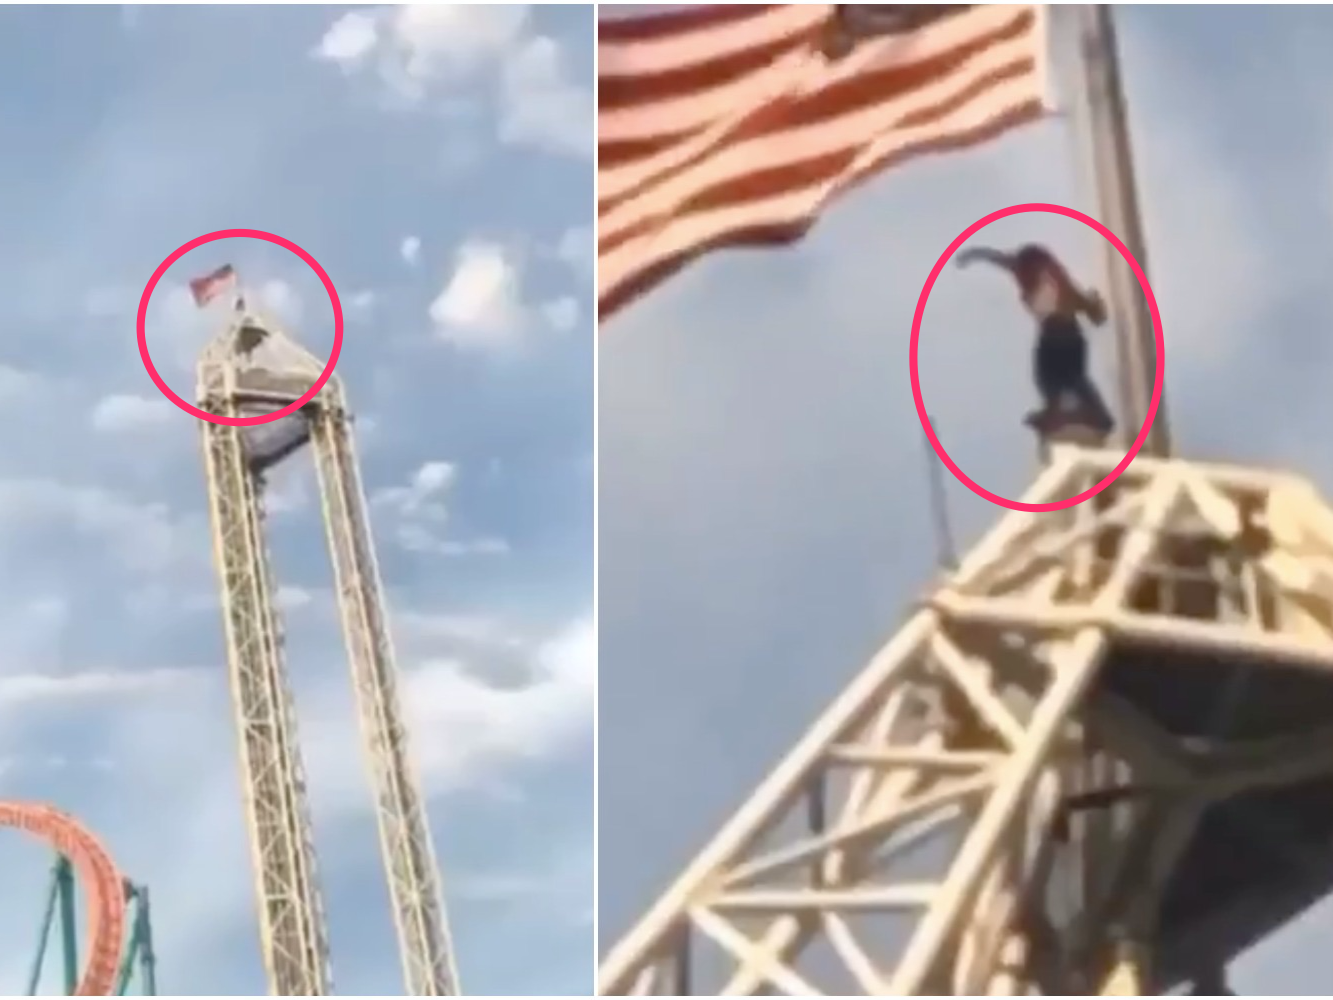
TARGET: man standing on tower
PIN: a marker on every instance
(1060, 356)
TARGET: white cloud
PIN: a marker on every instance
(432, 477)
(177, 329)
(415, 537)
(485, 546)
(146, 537)
(575, 248)
(127, 413)
(541, 106)
(420, 514)
(410, 249)
(14, 764)
(490, 887)
(156, 599)
(292, 598)
(415, 46)
(424, 540)
(450, 40)
(288, 488)
(424, 53)
(423, 492)
(349, 40)
(18, 385)
(467, 727)
(561, 314)
(479, 630)
(360, 305)
(280, 298)
(471, 718)
(26, 690)
(480, 305)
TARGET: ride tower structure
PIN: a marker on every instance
(1096, 760)
(254, 367)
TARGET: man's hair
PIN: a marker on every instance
(1034, 260)
(1034, 255)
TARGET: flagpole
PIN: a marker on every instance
(1118, 209)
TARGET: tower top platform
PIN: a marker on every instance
(1166, 646)
(255, 362)
(1202, 519)
(1210, 588)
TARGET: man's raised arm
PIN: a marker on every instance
(986, 255)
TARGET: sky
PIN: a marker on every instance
(763, 504)
(436, 160)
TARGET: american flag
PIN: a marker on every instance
(738, 124)
(213, 284)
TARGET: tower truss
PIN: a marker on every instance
(1095, 760)
(252, 368)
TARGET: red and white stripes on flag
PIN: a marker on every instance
(729, 125)
(211, 285)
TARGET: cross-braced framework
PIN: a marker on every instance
(1097, 759)
(253, 368)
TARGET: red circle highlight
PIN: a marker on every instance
(257, 234)
(962, 477)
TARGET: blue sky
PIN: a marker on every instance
(763, 511)
(436, 161)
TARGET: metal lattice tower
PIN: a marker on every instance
(253, 367)
(1098, 759)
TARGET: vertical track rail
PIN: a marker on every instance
(293, 938)
(409, 861)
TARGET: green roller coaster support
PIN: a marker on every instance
(139, 948)
(138, 955)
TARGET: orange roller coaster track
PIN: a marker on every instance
(100, 879)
